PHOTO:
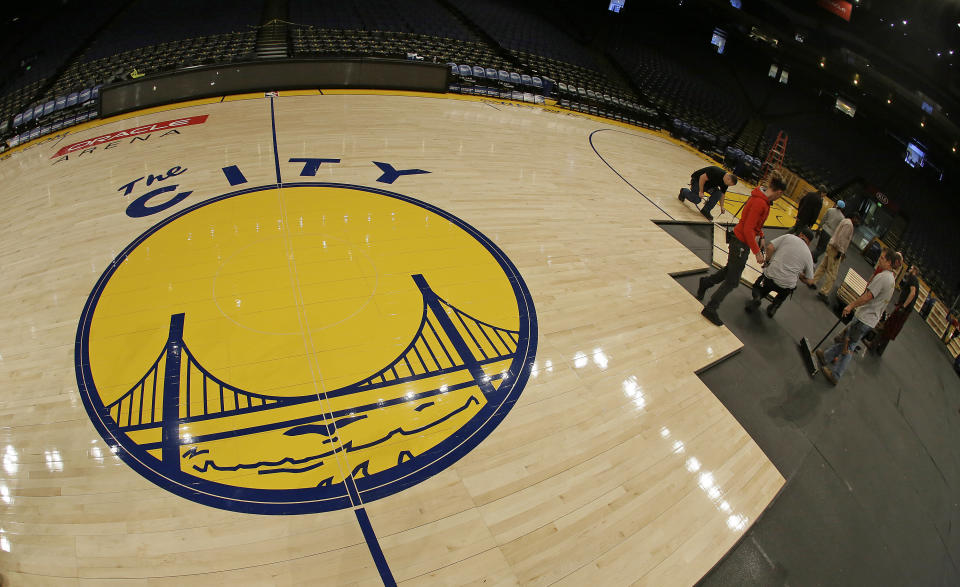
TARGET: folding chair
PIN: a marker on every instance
(466, 79)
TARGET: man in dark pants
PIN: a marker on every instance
(747, 233)
(927, 305)
(909, 287)
(808, 209)
(788, 260)
(711, 180)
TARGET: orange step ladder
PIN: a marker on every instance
(774, 161)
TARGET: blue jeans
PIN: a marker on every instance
(693, 195)
(855, 331)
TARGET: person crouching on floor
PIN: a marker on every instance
(788, 260)
(712, 181)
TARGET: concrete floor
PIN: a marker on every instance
(872, 465)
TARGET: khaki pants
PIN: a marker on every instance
(828, 268)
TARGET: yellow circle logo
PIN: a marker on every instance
(304, 347)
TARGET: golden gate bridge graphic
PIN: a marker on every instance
(177, 392)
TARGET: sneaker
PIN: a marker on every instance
(821, 357)
(828, 373)
(680, 195)
(751, 306)
(771, 310)
(823, 298)
(707, 215)
(701, 289)
(711, 315)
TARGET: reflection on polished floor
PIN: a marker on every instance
(346, 339)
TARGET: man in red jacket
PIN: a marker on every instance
(749, 238)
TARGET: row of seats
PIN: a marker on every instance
(743, 164)
(487, 81)
(122, 29)
(15, 101)
(630, 117)
(144, 23)
(41, 111)
(38, 40)
(476, 73)
(219, 48)
(88, 113)
(516, 29)
(66, 93)
(750, 136)
(425, 17)
(677, 93)
(580, 97)
(490, 82)
(700, 138)
(585, 90)
(312, 42)
(556, 69)
(540, 49)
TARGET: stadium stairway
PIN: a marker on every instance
(273, 37)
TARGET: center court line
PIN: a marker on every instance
(365, 526)
(276, 152)
(309, 347)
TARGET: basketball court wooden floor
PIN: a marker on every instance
(357, 338)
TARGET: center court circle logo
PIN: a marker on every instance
(303, 348)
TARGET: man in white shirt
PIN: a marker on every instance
(868, 308)
(836, 251)
(788, 260)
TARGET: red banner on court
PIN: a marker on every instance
(838, 7)
(131, 132)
